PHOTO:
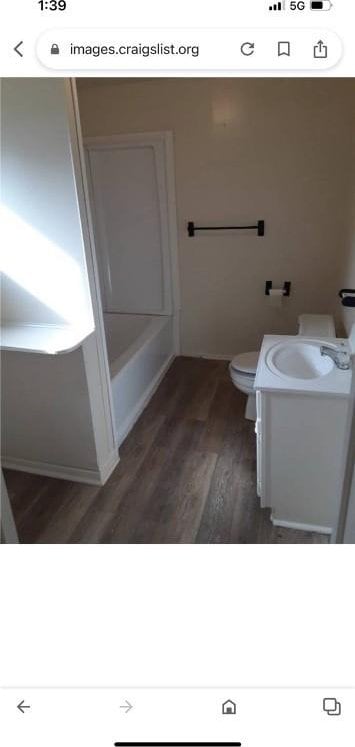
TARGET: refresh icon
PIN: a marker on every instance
(247, 49)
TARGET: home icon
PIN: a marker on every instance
(229, 707)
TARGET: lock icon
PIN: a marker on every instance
(54, 49)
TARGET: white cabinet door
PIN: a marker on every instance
(346, 524)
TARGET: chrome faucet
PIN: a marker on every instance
(339, 354)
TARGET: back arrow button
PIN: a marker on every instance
(17, 49)
(21, 706)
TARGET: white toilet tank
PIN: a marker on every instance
(316, 325)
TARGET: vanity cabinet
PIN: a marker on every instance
(300, 457)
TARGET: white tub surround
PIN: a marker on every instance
(301, 432)
(132, 188)
(131, 181)
(140, 349)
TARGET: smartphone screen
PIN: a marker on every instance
(177, 373)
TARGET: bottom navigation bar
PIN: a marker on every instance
(237, 717)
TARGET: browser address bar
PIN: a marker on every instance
(189, 49)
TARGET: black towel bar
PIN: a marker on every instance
(260, 228)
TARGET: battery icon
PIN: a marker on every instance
(322, 5)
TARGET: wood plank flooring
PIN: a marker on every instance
(186, 475)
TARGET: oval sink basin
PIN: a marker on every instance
(298, 360)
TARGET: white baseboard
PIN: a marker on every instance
(142, 403)
(210, 356)
(300, 526)
(61, 472)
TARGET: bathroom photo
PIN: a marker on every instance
(178, 311)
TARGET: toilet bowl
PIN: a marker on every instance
(242, 370)
(243, 367)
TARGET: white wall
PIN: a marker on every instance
(347, 277)
(46, 411)
(55, 408)
(245, 149)
(348, 281)
(45, 276)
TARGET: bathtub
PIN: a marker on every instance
(140, 350)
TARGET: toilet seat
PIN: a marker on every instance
(245, 363)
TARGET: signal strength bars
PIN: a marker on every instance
(277, 6)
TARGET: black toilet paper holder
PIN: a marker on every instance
(286, 288)
(347, 296)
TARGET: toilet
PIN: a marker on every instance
(243, 367)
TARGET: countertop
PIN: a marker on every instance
(47, 339)
(336, 382)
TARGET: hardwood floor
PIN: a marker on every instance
(186, 475)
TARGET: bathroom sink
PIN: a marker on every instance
(298, 360)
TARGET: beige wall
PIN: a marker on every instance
(348, 277)
(348, 317)
(245, 149)
(348, 262)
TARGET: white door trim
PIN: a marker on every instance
(109, 451)
(8, 532)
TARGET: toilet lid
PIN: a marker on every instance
(246, 362)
